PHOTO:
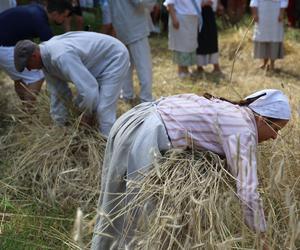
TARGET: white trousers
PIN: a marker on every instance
(109, 90)
(140, 58)
(136, 138)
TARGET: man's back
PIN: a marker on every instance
(24, 22)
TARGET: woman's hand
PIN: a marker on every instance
(281, 16)
(175, 23)
(220, 9)
(265, 243)
(172, 13)
(87, 120)
(255, 14)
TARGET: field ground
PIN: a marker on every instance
(37, 214)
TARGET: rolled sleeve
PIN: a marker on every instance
(168, 2)
(284, 4)
(253, 3)
(240, 152)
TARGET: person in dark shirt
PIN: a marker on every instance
(28, 22)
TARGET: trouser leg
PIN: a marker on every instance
(106, 110)
(140, 55)
(110, 223)
(127, 90)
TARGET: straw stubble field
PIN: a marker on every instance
(48, 172)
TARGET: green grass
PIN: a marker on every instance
(25, 225)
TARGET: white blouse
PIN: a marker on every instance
(184, 7)
(283, 3)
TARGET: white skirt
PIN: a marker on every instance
(184, 39)
(268, 28)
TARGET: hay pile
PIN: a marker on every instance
(52, 165)
(188, 201)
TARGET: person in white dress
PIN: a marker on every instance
(268, 30)
(184, 19)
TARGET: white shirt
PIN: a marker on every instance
(83, 58)
(184, 7)
(283, 3)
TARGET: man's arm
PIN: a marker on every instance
(60, 95)
(87, 86)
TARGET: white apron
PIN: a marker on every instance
(268, 28)
(184, 39)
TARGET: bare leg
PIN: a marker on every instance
(28, 93)
(183, 69)
(265, 62)
(272, 65)
(217, 68)
(183, 72)
(200, 69)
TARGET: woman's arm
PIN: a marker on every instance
(240, 151)
(281, 15)
(254, 10)
(172, 13)
(255, 14)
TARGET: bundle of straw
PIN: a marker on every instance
(188, 201)
(54, 165)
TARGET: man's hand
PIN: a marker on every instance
(281, 16)
(87, 120)
(265, 243)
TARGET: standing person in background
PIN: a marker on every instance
(86, 4)
(155, 16)
(107, 27)
(95, 63)
(184, 19)
(28, 22)
(236, 10)
(268, 31)
(77, 13)
(6, 4)
(291, 13)
(130, 23)
(208, 51)
(297, 13)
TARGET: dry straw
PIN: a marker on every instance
(53, 165)
(188, 201)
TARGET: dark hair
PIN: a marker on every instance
(245, 102)
(58, 5)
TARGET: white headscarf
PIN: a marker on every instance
(272, 103)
